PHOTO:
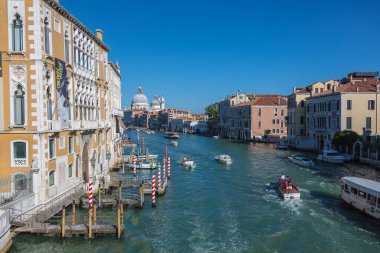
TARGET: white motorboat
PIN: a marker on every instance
(331, 156)
(187, 162)
(225, 159)
(363, 194)
(150, 157)
(171, 136)
(216, 137)
(302, 161)
(174, 143)
(287, 188)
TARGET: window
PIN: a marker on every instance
(275, 111)
(362, 195)
(19, 106)
(99, 135)
(302, 120)
(273, 130)
(282, 112)
(368, 123)
(273, 121)
(50, 109)
(282, 124)
(316, 90)
(70, 144)
(321, 90)
(51, 148)
(259, 111)
(17, 34)
(371, 200)
(302, 103)
(329, 86)
(67, 47)
(349, 104)
(277, 121)
(337, 105)
(354, 191)
(259, 124)
(371, 104)
(19, 158)
(70, 170)
(51, 178)
(47, 36)
(277, 130)
(349, 123)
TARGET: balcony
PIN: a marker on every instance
(54, 125)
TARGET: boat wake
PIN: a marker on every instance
(293, 206)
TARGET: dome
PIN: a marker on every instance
(155, 101)
(140, 101)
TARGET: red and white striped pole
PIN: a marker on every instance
(159, 176)
(168, 167)
(153, 190)
(90, 195)
(134, 165)
(164, 169)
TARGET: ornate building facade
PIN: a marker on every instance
(60, 107)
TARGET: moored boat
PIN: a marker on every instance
(187, 162)
(216, 137)
(287, 188)
(363, 194)
(225, 159)
(302, 161)
(331, 156)
(144, 165)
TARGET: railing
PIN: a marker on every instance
(15, 186)
(4, 222)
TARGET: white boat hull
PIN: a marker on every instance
(188, 164)
(301, 163)
(330, 160)
(143, 166)
(361, 205)
(287, 196)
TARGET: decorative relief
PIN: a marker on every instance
(18, 73)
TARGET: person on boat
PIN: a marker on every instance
(282, 176)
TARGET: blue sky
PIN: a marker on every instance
(195, 52)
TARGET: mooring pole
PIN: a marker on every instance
(90, 223)
(123, 166)
(120, 191)
(63, 221)
(118, 221)
(73, 213)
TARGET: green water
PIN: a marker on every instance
(215, 208)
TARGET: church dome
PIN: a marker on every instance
(140, 101)
(155, 101)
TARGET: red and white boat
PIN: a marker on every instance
(288, 189)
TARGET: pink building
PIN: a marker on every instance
(251, 119)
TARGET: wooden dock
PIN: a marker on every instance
(80, 229)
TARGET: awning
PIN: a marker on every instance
(121, 123)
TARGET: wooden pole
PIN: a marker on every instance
(73, 218)
(94, 212)
(63, 221)
(123, 166)
(121, 213)
(118, 222)
(141, 195)
(100, 193)
(90, 223)
(120, 191)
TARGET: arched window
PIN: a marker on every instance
(51, 178)
(47, 36)
(19, 106)
(17, 34)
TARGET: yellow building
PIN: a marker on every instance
(297, 112)
(55, 112)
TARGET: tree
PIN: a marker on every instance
(267, 132)
(345, 137)
(212, 110)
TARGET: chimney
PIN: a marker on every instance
(99, 34)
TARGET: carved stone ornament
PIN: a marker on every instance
(18, 73)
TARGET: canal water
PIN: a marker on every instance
(215, 208)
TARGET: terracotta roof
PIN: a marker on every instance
(368, 85)
(267, 100)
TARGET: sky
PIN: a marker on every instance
(196, 52)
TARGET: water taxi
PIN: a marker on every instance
(301, 161)
(287, 188)
(225, 159)
(363, 194)
(331, 156)
(187, 162)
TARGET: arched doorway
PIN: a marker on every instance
(357, 150)
(85, 170)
